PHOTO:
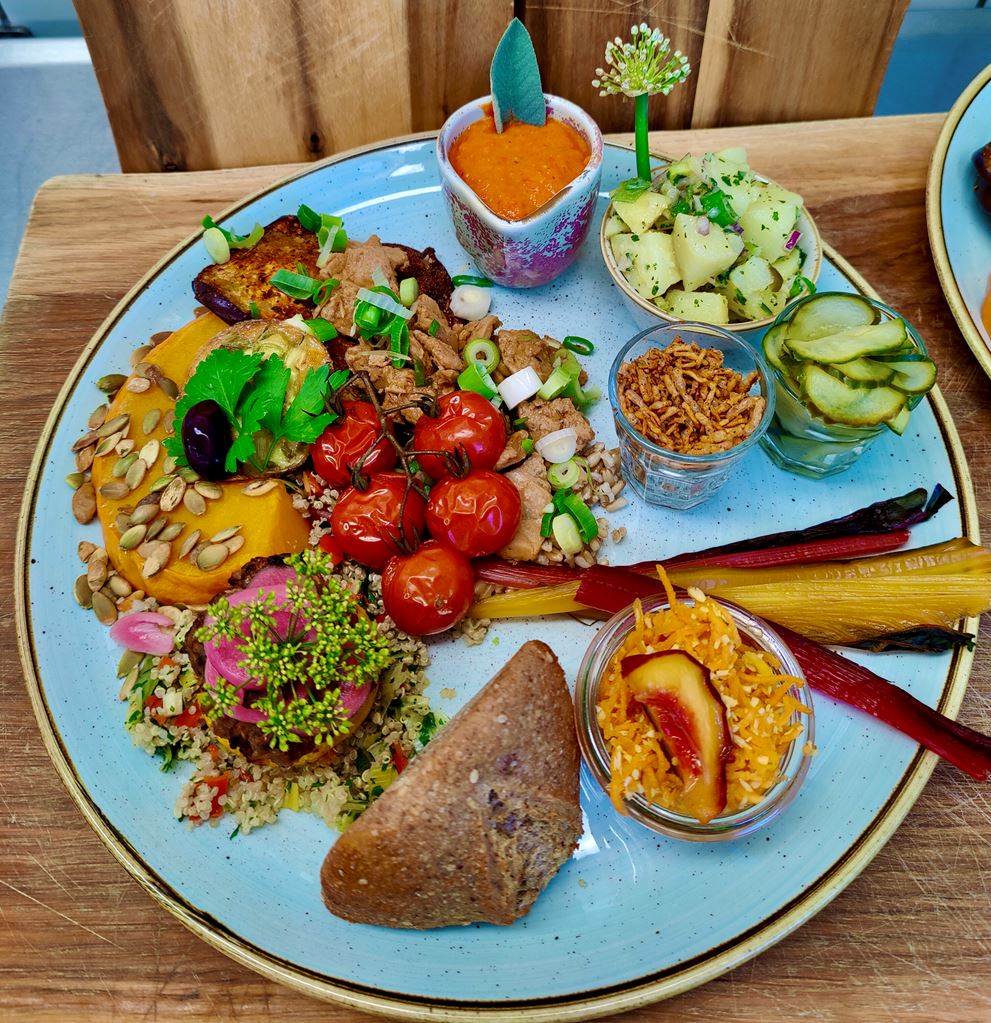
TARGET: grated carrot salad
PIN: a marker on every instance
(760, 709)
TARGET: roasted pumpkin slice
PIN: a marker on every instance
(268, 523)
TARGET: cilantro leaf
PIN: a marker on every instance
(302, 421)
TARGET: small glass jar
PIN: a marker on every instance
(794, 764)
(665, 477)
(803, 443)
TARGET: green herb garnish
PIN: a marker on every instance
(326, 640)
(301, 286)
(236, 241)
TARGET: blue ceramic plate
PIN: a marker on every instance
(959, 227)
(633, 917)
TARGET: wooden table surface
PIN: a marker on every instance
(910, 940)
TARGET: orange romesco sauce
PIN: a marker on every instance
(516, 171)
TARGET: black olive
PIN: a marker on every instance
(206, 439)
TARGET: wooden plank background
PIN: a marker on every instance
(908, 942)
(199, 84)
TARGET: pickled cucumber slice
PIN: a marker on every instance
(852, 343)
(852, 406)
(830, 313)
(774, 348)
(898, 423)
(914, 377)
(867, 371)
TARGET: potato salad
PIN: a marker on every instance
(710, 241)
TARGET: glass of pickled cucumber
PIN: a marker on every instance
(846, 369)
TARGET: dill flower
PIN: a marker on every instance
(325, 641)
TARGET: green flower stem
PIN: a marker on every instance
(641, 128)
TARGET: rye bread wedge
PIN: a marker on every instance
(479, 823)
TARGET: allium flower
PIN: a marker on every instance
(641, 66)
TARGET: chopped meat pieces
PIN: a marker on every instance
(544, 417)
(425, 312)
(483, 328)
(522, 348)
(530, 479)
(513, 452)
(353, 268)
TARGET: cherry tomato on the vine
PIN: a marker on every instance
(428, 591)
(477, 514)
(339, 448)
(466, 421)
(365, 523)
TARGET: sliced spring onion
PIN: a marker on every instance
(469, 302)
(526, 445)
(545, 522)
(379, 278)
(386, 302)
(331, 239)
(409, 291)
(310, 219)
(237, 241)
(434, 327)
(581, 345)
(367, 318)
(419, 377)
(566, 534)
(482, 350)
(322, 291)
(580, 512)
(554, 384)
(399, 341)
(293, 284)
(322, 329)
(519, 386)
(558, 446)
(479, 282)
(564, 475)
(253, 309)
(216, 245)
(801, 284)
(475, 377)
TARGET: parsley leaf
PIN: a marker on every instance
(303, 420)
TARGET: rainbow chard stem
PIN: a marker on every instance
(641, 69)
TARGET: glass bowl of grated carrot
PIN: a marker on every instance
(635, 744)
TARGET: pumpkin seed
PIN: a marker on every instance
(152, 548)
(97, 569)
(132, 537)
(152, 418)
(189, 543)
(148, 370)
(84, 459)
(188, 474)
(159, 337)
(136, 473)
(84, 503)
(138, 355)
(104, 609)
(82, 592)
(157, 526)
(124, 447)
(225, 534)
(171, 531)
(169, 388)
(160, 484)
(258, 487)
(149, 452)
(75, 480)
(138, 385)
(212, 556)
(130, 681)
(172, 613)
(115, 490)
(194, 502)
(169, 464)
(84, 549)
(128, 659)
(108, 444)
(97, 417)
(120, 467)
(116, 425)
(122, 521)
(119, 586)
(211, 491)
(153, 565)
(143, 514)
(86, 440)
(111, 383)
(235, 544)
(173, 494)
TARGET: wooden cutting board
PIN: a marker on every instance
(908, 941)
